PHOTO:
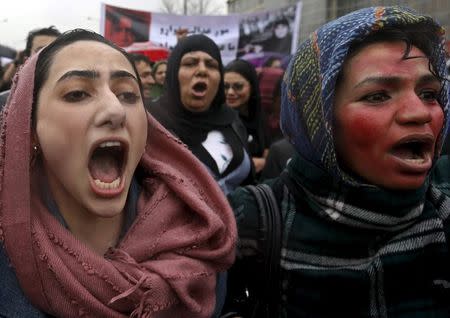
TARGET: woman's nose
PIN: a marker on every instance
(201, 68)
(414, 111)
(112, 113)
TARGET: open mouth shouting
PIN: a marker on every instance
(414, 152)
(199, 89)
(107, 164)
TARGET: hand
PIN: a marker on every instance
(259, 163)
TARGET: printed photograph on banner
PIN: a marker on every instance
(267, 37)
(125, 26)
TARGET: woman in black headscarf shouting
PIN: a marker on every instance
(193, 109)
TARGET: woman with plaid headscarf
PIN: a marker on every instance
(365, 229)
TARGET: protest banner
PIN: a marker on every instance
(255, 36)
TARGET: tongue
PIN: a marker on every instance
(104, 167)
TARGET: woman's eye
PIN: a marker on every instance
(128, 97)
(188, 63)
(212, 65)
(376, 98)
(429, 96)
(75, 96)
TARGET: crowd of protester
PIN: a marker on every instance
(124, 182)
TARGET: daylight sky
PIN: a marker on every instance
(17, 17)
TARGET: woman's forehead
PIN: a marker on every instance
(198, 54)
(160, 66)
(235, 76)
(92, 55)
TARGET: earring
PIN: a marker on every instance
(34, 155)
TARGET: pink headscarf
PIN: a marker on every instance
(165, 266)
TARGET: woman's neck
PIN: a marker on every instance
(98, 233)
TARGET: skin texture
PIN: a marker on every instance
(160, 74)
(383, 100)
(198, 67)
(235, 98)
(145, 73)
(39, 41)
(75, 113)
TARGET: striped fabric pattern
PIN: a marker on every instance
(354, 260)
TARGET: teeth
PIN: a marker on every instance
(109, 144)
(416, 161)
(105, 185)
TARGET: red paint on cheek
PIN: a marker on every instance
(363, 128)
(437, 121)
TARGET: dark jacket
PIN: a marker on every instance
(331, 269)
(161, 113)
(280, 153)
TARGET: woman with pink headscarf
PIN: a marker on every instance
(104, 213)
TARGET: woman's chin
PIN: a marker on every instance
(107, 209)
(110, 205)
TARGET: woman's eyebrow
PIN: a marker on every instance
(122, 74)
(190, 58)
(393, 80)
(386, 80)
(428, 79)
(89, 74)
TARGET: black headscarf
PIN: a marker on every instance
(254, 122)
(191, 127)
